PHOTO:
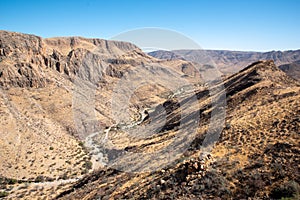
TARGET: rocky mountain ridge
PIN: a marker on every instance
(24, 57)
(230, 61)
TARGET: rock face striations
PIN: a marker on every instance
(24, 58)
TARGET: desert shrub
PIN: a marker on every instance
(71, 130)
(81, 143)
(68, 162)
(64, 176)
(88, 165)
(287, 190)
(11, 181)
(39, 178)
(3, 194)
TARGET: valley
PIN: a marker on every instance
(99, 119)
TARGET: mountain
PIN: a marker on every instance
(166, 55)
(43, 82)
(229, 61)
(24, 56)
(256, 155)
(98, 119)
(56, 91)
(292, 69)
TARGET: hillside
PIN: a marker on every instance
(47, 97)
(292, 69)
(256, 156)
(230, 61)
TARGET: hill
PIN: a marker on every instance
(255, 157)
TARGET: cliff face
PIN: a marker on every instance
(24, 59)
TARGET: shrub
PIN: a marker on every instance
(39, 178)
(81, 143)
(88, 165)
(287, 190)
(3, 194)
(64, 176)
(11, 181)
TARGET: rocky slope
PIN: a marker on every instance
(292, 69)
(230, 61)
(55, 90)
(256, 156)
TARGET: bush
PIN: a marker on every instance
(11, 181)
(288, 190)
(88, 165)
(81, 144)
(3, 194)
(39, 178)
(64, 176)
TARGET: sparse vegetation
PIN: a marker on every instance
(255, 156)
(88, 165)
(3, 194)
(81, 143)
(289, 190)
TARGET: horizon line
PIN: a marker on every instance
(207, 49)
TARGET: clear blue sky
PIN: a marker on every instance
(235, 25)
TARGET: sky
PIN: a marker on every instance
(254, 25)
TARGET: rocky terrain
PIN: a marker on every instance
(66, 133)
(229, 62)
(44, 114)
(256, 156)
(292, 69)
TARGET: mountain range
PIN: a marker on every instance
(97, 119)
(229, 61)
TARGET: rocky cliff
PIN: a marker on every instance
(24, 59)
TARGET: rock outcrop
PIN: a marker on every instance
(24, 59)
